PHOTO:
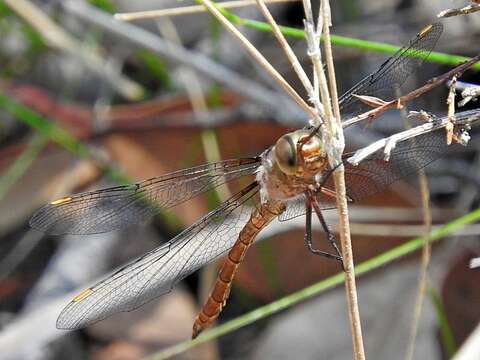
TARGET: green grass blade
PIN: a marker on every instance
(365, 45)
(105, 5)
(44, 126)
(156, 68)
(317, 288)
(53, 132)
(21, 164)
(446, 333)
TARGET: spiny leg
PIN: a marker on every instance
(326, 228)
(308, 233)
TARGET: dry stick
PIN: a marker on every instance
(423, 273)
(334, 144)
(451, 110)
(469, 9)
(426, 250)
(329, 60)
(184, 10)
(347, 254)
(427, 220)
(475, 263)
(307, 9)
(468, 94)
(341, 199)
(258, 57)
(297, 67)
(463, 119)
(397, 103)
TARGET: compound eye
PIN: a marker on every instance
(286, 154)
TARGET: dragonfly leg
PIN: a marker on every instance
(328, 232)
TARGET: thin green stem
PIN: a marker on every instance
(338, 40)
(446, 333)
(53, 132)
(322, 286)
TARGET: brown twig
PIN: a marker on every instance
(426, 250)
(397, 103)
(341, 200)
(334, 143)
(423, 273)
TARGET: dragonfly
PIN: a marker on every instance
(289, 179)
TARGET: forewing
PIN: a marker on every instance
(156, 272)
(120, 206)
(392, 73)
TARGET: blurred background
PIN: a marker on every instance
(86, 100)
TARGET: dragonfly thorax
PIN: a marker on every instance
(292, 165)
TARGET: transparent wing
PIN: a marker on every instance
(374, 174)
(120, 206)
(294, 208)
(156, 272)
(392, 73)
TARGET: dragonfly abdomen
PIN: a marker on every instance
(259, 218)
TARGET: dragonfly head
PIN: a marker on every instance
(298, 153)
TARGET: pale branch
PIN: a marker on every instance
(426, 254)
(402, 100)
(475, 263)
(469, 9)
(333, 143)
(462, 121)
(258, 57)
(313, 43)
(451, 110)
(185, 10)
(295, 63)
(469, 348)
(469, 94)
(332, 81)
